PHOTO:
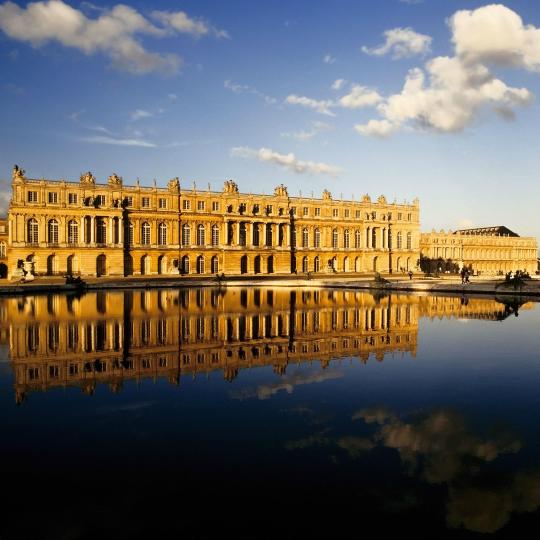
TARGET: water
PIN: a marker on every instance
(268, 413)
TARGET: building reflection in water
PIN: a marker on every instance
(110, 336)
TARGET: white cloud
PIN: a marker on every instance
(360, 96)
(118, 142)
(338, 84)
(402, 43)
(245, 89)
(321, 106)
(172, 97)
(465, 223)
(114, 32)
(450, 92)
(287, 161)
(328, 59)
(317, 127)
(140, 113)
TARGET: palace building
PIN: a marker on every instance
(92, 229)
(487, 250)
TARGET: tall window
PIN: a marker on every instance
(186, 234)
(101, 231)
(146, 202)
(335, 239)
(317, 238)
(409, 240)
(357, 238)
(346, 238)
(145, 233)
(32, 196)
(72, 198)
(162, 234)
(163, 203)
(214, 265)
(186, 205)
(73, 232)
(305, 239)
(316, 264)
(101, 200)
(269, 234)
(215, 236)
(200, 205)
(131, 235)
(53, 197)
(215, 206)
(2, 250)
(201, 236)
(33, 231)
(200, 264)
(242, 234)
(399, 240)
(52, 232)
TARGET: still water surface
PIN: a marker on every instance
(268, 413)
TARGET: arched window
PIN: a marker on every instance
(215, 235)
(145, 233)
(357, 238)
(409, 240)
(131, 234)
(186, 235)
(162, 234)
(305, 264)
(73, 232)
(399, 240)
(101, 231)
(335, 238)
(201, 236)
(200, 264)
(305, 239)
(52, 232)
(185, 265)
(2, 250)
(346, 238)
(33, 231)
(317, 238)
(269, 235)
(316, 264)
(214, 264)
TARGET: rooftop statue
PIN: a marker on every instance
(114, 180)
(18, 174)
(281, 191)
(326, 195)
(88, 178)
(366, 198)
(381, 199)
(173, 184)
(230, 186)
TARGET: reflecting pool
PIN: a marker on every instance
(268, 413)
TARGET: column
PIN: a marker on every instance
(92, 229)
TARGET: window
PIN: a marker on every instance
(53, 197)
(293, 210)
(101, 200)
(215, 236)
(200, 205)
(145, 202)
(347, 213)
(357, 238)
(73, 232)
(400, 216)
(346, 238)
(335, 239)
(128, 201)
(52, 232)
(358, 214)
(335, 212)
(256, 208)
(2, 250)
(215, 206)
(305, 240)
(200, 267)
(186, 205)
(305, 211)
(162, 234)
(317, 238)
(269, 209)
(186, 234)
(389, 216)
(130, 234)
(32, 231)
(72, 198)
(399, 240)
(162, 203)
(317, 212)
(214, 265)
(101, 231)
(201, 237)
(32, 196)
(145, 233)
(409, 240)
(409, 217)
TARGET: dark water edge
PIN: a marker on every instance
(436, 438)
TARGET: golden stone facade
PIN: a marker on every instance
(488, 250)
(110, 229)
(110, 337)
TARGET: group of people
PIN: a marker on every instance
(464, 275)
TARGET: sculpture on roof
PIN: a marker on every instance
(381, 199)
(230, 186)
(326, 195)
(366, 198)
(173, 184)
(18, 174)
(88, 178)
(281, 191)
(114, 180)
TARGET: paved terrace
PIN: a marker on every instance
(447, 284)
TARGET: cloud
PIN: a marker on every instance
(140, 113)
(114, 32)
(172, 97)
(321, 106)
(287, 161)
(465, 223)
(360, 96)
(328, 59)
(451, 91)
(402, 43)
(5, 196)
(98, 139)
(236, 88)
(338, 84)
(318, 127)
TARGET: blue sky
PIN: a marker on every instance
(305, 93)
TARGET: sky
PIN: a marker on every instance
(407, 98)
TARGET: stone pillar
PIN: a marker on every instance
(92, 230)
(249, 233)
